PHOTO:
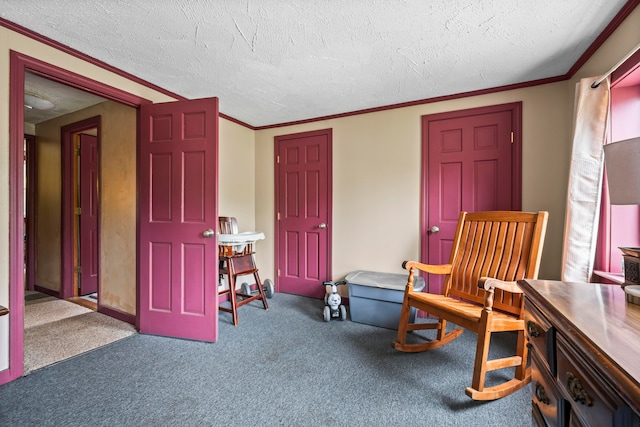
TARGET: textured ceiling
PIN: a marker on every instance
(276, 61)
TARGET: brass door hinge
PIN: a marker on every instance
(78, 211)
(77, 269)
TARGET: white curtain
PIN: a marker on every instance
(590, 127)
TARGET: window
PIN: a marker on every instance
(620, 225)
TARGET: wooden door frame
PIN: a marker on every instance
(328, 132)
(68, 236)
(516, 161)
(19, 65)
(30, 231)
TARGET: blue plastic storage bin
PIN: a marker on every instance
(376, 298)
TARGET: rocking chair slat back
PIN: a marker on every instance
(494, 244)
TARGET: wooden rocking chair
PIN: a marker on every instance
(490, 252)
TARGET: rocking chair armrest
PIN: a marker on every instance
(487, 283)
(428, 268)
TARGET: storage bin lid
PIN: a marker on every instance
(383, 280)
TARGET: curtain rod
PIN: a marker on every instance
(615, 67)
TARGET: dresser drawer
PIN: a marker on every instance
(538, 420)
(591, 401)
(546, 396)
(541, 335)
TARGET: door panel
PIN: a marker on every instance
(89, 244)
(470, 164)
(178, 201)
(303, 203)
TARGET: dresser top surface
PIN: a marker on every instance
(595, 312)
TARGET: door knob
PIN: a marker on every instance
(434, 229)
(323, 225)
(208, 233)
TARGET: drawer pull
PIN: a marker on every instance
(577, 392)
(541, 395)
(532, 329)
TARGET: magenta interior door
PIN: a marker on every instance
(89, 247)
(178, 203)
(472, 163)
(303, 217)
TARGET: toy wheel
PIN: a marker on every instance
(343, 312)
(269, 289)
(246, 288)
(327, 314)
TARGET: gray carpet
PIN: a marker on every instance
(281, 367)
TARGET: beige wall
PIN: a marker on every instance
(376, 177)
(118, 209)
(117, 192)
(48, 205)
(236, 174)
(236, 179)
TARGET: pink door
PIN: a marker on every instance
(303, 218)
(472, 164)
(178, 205)
(89, 267)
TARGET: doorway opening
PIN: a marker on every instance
(80, 182)
(80, 234)
(23, 66)
(471, 161)
(29, 192)
(303, 200)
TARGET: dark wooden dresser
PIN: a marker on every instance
(584, 341)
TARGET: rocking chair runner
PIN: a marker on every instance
(490, 252)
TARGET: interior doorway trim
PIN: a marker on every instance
(516, 160)
(30, 231)
(313, 225)
(19, 64)
(67, 283)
